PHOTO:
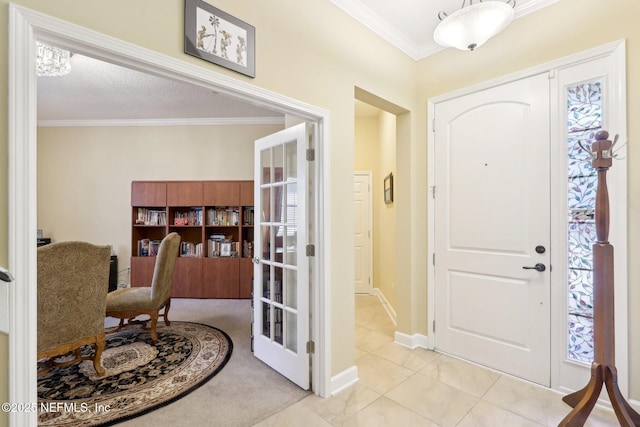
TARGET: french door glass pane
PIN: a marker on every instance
(266, 163)
(277, 321)
(277, 285)
(278, 163)
(266, 204)
(266, 281)
(266, 320)
(291, 161)
(291, 289)
(292, 331)
(584, 119)
(266, 242)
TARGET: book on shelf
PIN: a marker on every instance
(148, 216)
(247, 216)
(192, 217)
(148, 247)
(247, 249)
(223, 216)
(222, 248)
(189, 249)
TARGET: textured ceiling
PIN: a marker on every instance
(96, 90)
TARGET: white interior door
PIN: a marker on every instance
(281, 273)
(362, 232)
(492, 216)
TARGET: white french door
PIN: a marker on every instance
(492, 242)
(281, 272)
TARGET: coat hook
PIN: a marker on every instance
(588, 150)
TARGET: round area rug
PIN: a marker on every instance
(140, 376)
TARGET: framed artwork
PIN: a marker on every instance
(218, 37)
(388, 189)
(225, 249)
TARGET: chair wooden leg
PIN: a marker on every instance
(167, 306)
(154, 323)
(101, 343)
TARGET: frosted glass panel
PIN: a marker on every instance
(584, 120)
(584, 102)
(581, 338)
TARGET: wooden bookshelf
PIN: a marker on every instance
(215, 223)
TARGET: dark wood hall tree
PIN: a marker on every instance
(603, 369)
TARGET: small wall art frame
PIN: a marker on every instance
(388, 189)
(217, 37)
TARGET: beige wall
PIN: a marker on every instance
(85, 173)
(565, 28)
(310, 51)
(375, 151)
(313, 52)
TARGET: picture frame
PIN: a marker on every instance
(225, 249)
(217, 37)
(388, 189)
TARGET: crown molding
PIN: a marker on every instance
(378, 25)
(164, 122)
(416, 52)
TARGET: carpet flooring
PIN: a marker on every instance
(244, 393)
(140, 375)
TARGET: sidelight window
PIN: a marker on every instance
(584, 120)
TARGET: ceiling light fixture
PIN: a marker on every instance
(470, 27)
(52, 61)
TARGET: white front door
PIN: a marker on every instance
(492, 216)
(362, 232)
(281, 273)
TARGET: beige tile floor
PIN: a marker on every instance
(402, 387)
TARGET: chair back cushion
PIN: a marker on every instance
(165, 266)
(73, 281)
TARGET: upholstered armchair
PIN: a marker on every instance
(73, 280)
(128, 303)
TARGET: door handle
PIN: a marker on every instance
(256, 260)
(5, 276)
(538, 267)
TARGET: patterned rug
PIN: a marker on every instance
(139, 376)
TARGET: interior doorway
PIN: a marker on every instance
(22, 171)
(376, 139)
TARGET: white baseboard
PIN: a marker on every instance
(344, 379)
(387, 306)
(413, 341)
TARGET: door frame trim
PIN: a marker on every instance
(617, 180)
(25, 25)
(369, 175)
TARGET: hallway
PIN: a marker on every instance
(403, 387)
